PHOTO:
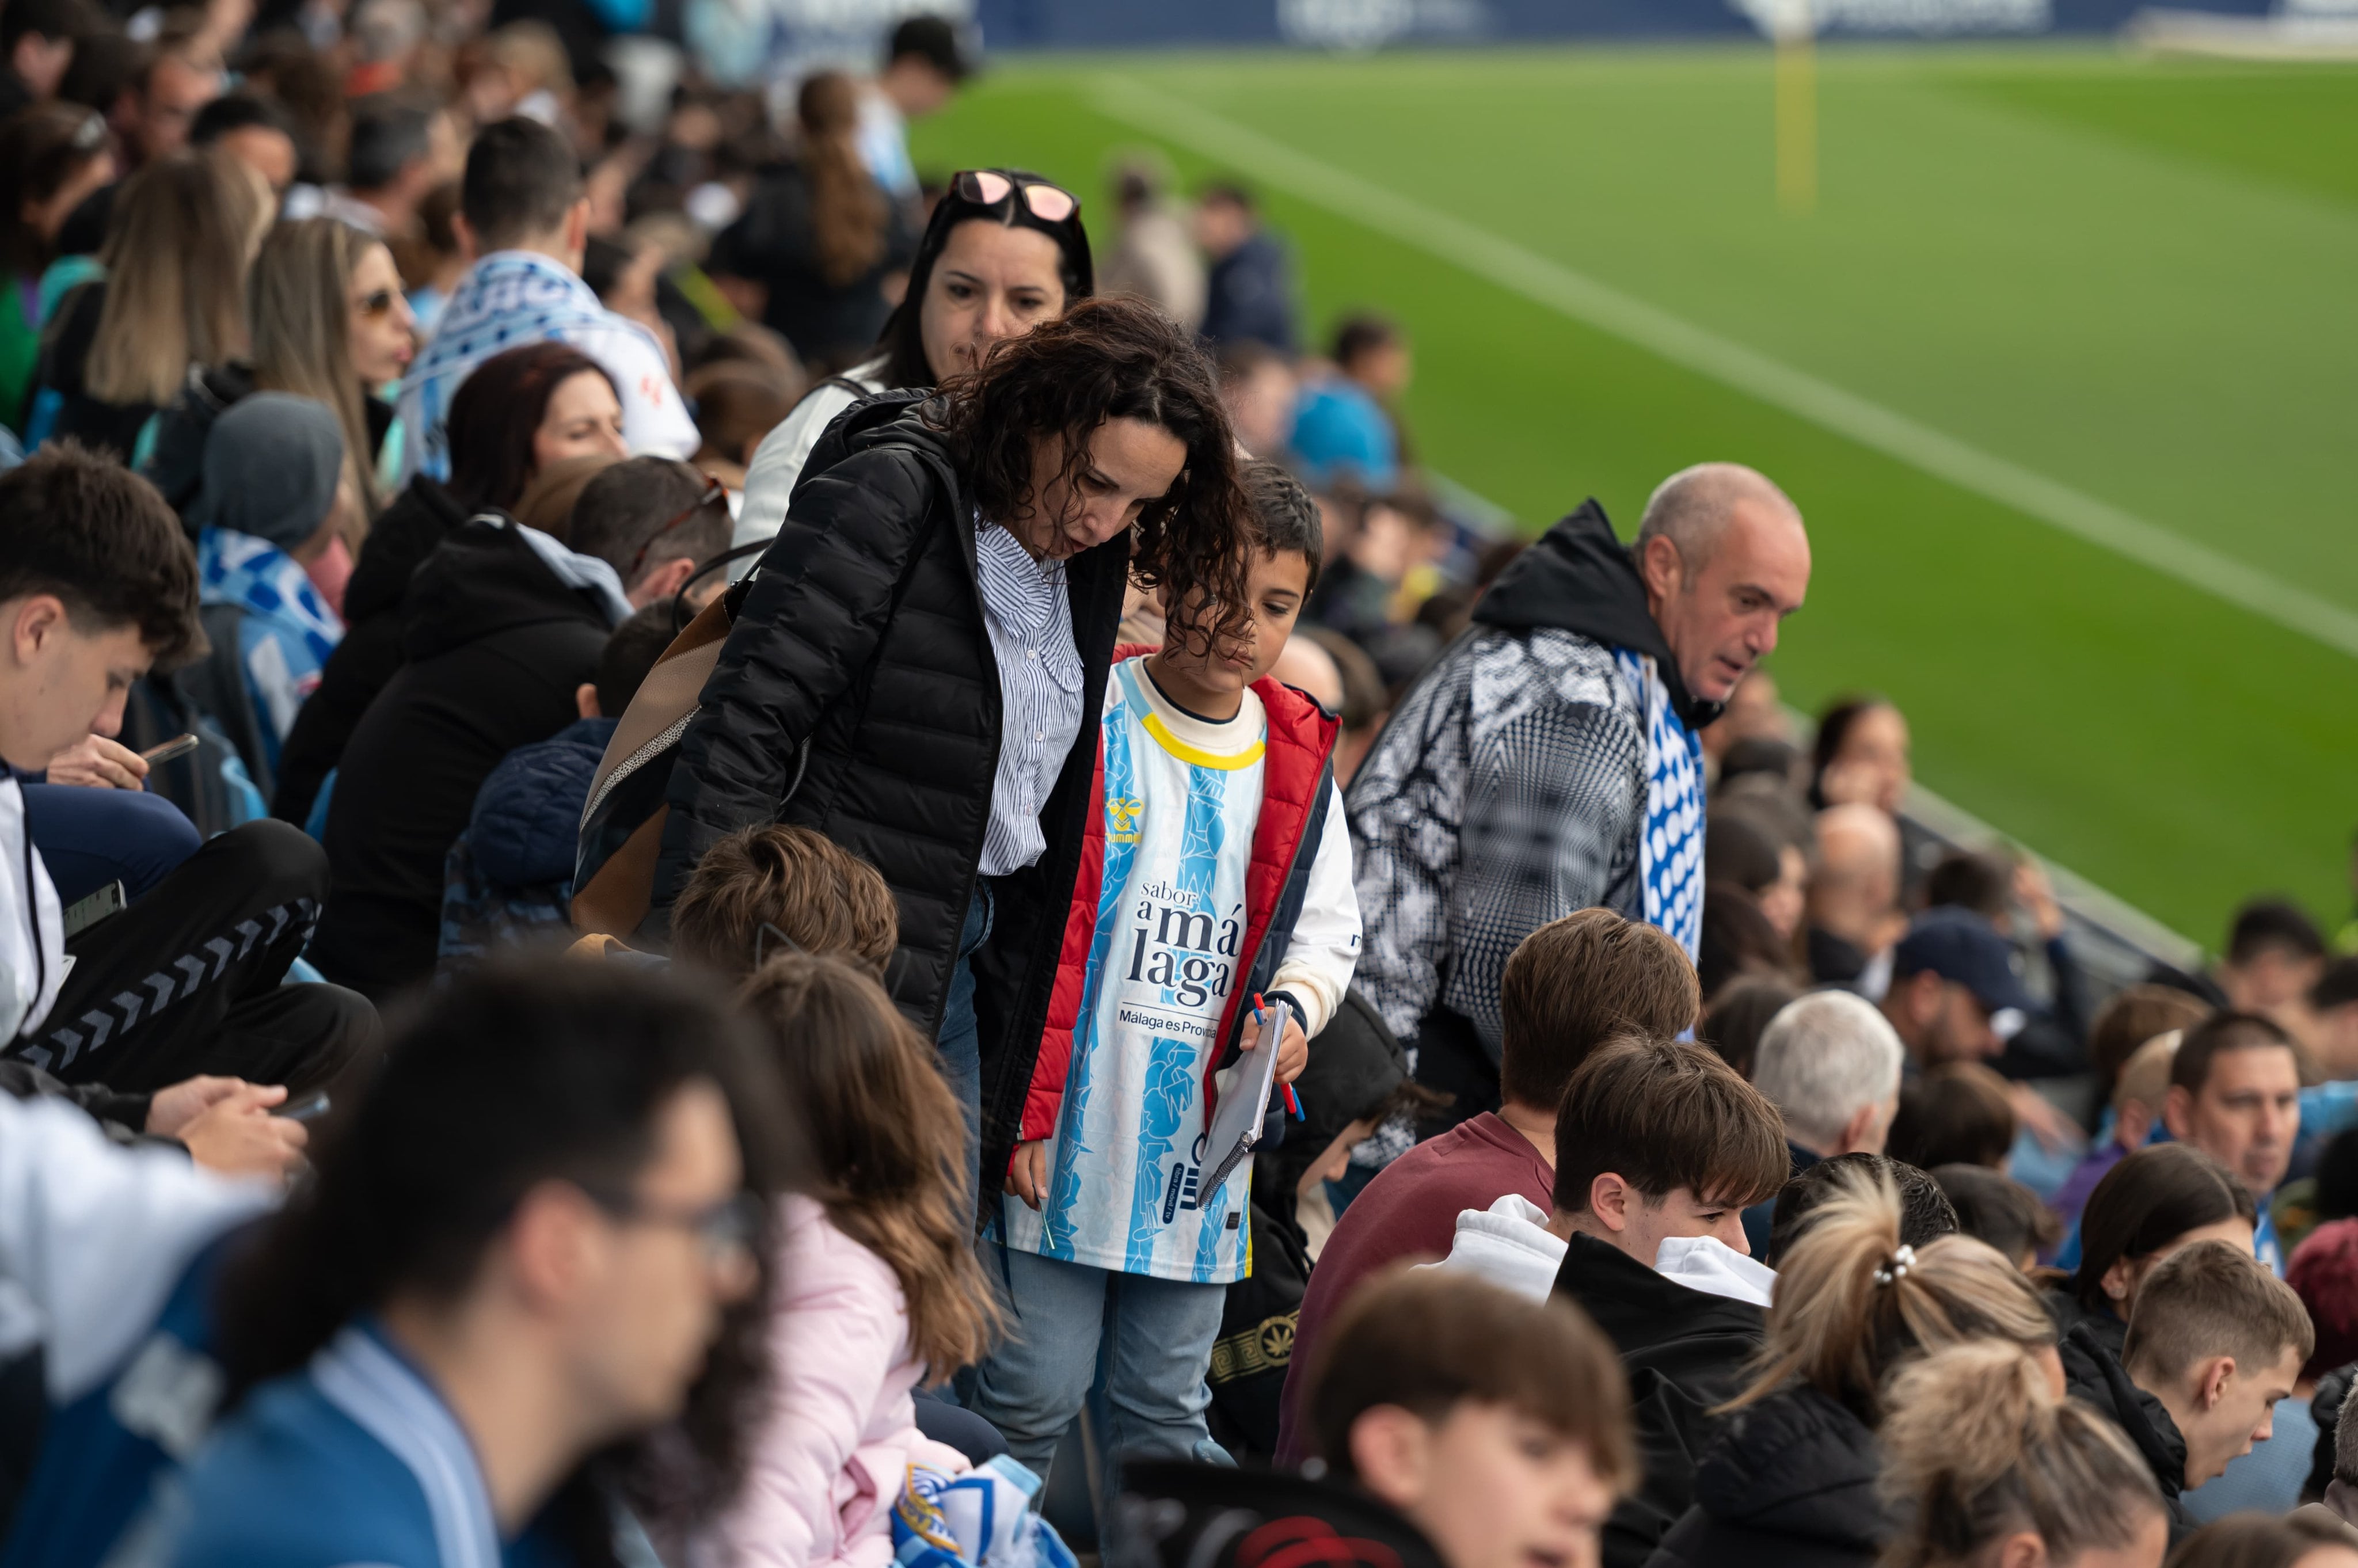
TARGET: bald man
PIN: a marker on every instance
(1853, 899)
(1550, 760)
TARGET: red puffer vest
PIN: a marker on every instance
(1295, 771)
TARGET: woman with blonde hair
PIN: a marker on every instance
(1986, 1464)
(181, 235)
(1790, 1476)
(819, 237)
(880, 1289)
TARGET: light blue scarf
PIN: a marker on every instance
(1669, 850)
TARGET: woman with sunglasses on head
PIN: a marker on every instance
(1004, 251)
(515, 415)
(909, 668)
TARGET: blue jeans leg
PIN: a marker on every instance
(1151, 1340)
(90, 836)
(959, 1039)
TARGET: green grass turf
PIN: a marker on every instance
(2137, 279)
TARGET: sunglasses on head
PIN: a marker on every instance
(714, 492)
(988, 187)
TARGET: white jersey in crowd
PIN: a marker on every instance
(1127, 1162)
(778, 461)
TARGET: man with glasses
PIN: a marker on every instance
(535, 1242)
(502, 626)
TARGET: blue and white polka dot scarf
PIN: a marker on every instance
(1670, 851)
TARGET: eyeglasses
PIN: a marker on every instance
(727, 1231)
(376, 306)
(714, 491)
(988, 187)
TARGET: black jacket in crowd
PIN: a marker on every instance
(65, 359)
(1787, 1483)
(495, 645)
(1685, 1352)
(2095, 1376)
(858, 695)
(404, 534)
(776, 243)
(1175, 1514)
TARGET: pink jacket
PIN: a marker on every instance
(840, 1432)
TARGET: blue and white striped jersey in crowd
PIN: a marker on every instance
(1029, 619)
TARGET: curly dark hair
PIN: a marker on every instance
(1115, 358)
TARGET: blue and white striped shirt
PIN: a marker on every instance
(1029, 619)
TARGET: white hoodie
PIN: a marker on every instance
(1510, 1244)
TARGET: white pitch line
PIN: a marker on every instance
(1698, 348)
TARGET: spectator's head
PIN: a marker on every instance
(1738, 939)
(2142, 1089)
(520, 411)
(1855, 886)
(1372, 350)
(2147, 1207)
(887, 1140)
(737, 403)
(1658, 1139)
(392, 160)
(2323, 1271)
(2334, 1030)
(1498, 1426)
(2255, 1541)
(560, 1171)
(547, 502)
(1280, 568)
(329, 322)
(2274, 954)
(1740, 1015)
(105, 65)
(1104, 422)
(1307, 666)
(1986, 1462)
(97, 583)
(1831, 1064)
(273, 464)
(1724, 559)
(1742, 850)
(1860, 755)
(1575, 983)
(1226, 217)
(655, 520)
(1959, 1113)
(251, 129)
(624, 664)
(1366, 703)
(1853, 1299)
(1925, 1213)
(1260, 387)
(37, 40)
(1993, 1207)
(1954, 994)
(764, 890)
(2235, 1093)
(178, 241)
(1973, 880)
(2219, 1340)
(1003, 252)
(523, 191)
(2132, 1017)
(165, 98)
(924, 64)
(52, 155)
(847, 208)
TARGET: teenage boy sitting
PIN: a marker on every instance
(1659, 1147)
(2214, 1341)
(1570, 984)
(1455, 1421)
(1222, 874)
(98, 583)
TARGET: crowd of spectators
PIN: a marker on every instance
(713, 852)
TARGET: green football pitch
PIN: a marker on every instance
(2061, 366)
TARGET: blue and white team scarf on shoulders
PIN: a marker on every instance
(1669, 850)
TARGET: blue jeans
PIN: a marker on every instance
(1148, 1341)
(959, 1038)
(90, 836)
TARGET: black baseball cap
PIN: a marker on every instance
(1959, 946)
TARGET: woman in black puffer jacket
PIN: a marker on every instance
(1789, 1477)
(916, 667)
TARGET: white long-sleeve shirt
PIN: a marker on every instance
(32, 924)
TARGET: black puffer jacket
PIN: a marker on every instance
(2092, 1375)
(858, 695)
(1788, 1483)
(420, 518)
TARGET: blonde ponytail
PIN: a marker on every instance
(1977, 1446)
(1852, 1299)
